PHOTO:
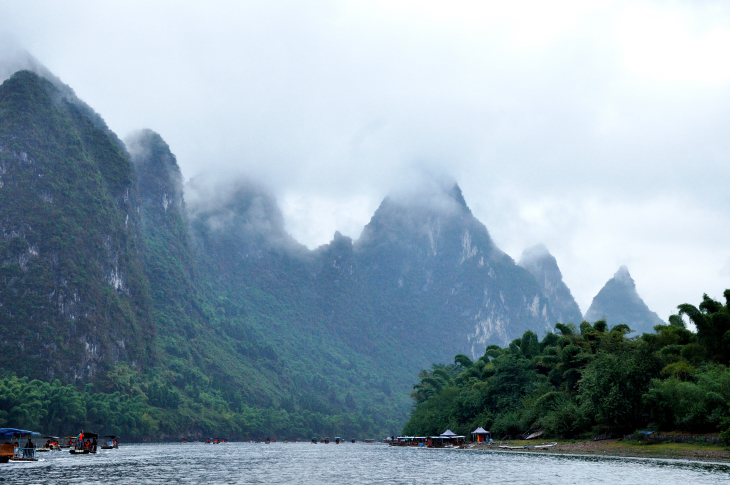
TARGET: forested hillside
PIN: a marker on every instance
(73, 299)
(137, 305)
(585, 380)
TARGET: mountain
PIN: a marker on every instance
(441, 280)
(163, 310)
(74, 299)
(543, 266)
(618, 302)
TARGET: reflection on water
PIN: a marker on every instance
(347, 463)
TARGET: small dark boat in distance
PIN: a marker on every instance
(111, 443)
(353, 440)
(314, 440)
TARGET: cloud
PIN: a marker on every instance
(596, 128)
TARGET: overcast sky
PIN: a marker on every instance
(600, 129)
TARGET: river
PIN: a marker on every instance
(347, 463)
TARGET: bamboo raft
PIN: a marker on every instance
(528, 447)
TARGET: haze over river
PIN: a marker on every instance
(346, 463)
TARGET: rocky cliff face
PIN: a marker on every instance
(442, 277)
(618, 302)
(543, 266)
(73, 299)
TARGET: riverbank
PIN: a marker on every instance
(621, 448)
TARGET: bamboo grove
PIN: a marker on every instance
(588, 379)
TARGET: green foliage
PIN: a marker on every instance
(589, 379)
(103, 284)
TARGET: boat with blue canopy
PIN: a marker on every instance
(15, 449)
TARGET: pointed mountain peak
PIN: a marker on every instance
(15, 60)
(160, 179)
(619, 302)
(36, 86)
(623, 276)
(455, 193)
(442, 197)
(537, 254)
(544, 268)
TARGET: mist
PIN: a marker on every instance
(597, 130)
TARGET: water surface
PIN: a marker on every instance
(347, 463)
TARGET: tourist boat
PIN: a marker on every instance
(353, 440)
(51, 444)
(85, 444)
(16, 450)
(69, 442)
(314, 440)
(409, 441)
(112, 442)
(447, 439)
(337, 440)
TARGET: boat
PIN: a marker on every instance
(69, 440)
(409, 441)
(447, 439)
(529, 447)
(337, 440)
(85, 443)
(16, 450)
(111, 442)
(314, 440)
(52, 443)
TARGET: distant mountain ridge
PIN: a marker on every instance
(433, 253)
(619, 303)
(543, 266)
(196, 300)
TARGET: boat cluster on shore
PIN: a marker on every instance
(24, 445)
(447, 439)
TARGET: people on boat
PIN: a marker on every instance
(29, 449)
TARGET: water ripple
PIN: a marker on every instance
(234, 463)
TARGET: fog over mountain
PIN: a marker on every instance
(587, 127)
(543, 266)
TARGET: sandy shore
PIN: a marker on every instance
(616, 447)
